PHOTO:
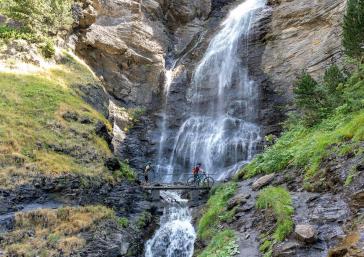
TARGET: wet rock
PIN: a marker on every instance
(358, 199)
(305, 233)
(338, 252)
(102, 131)
(112, 163)
(286, 249)
(237, 200)
(263, 181)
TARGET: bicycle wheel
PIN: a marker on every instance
(208, 182)
(191, 181)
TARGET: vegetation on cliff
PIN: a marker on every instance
(337, 127)
(46, 127)
(353, 33)
(49, 232)
(279, 201)
(221, 242)
(36, 21)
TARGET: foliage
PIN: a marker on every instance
(8, 33)
(316, 101)
(55, 232)
(126, 171)
(352, 174)
(353, 29)
(215, 212)
(41, 17)
(305, 147)
(123, 222)
(223, 244)
(309, 98)
(144, 219)
(48, 49)
(280, 201)
(34, 136)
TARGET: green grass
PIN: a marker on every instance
(306, 147)
(53, 232)
(32, 126)
(279, 201)
(215, 212)
(8, 33)
(223, 244)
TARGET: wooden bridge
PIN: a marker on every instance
(155, 189)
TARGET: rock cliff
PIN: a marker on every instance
(130, 44)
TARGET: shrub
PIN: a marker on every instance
(123, 222)
(126, 171)
(353, 29)
(48, 49)
(41, 17)
(8, 33)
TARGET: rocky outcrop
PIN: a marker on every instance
(126, 42)
(303, 35)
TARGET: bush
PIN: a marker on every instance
(48, 49)
(126, 171)
(8, 33)
(353, 29)
(123, 222)
(316, 101)
(41, 17)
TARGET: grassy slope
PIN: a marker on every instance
(300, 147)
(32, 126)
(306, 148)
(49, 232)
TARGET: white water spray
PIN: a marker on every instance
(176, 236)
(220, 131)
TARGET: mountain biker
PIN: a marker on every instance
(196, 170)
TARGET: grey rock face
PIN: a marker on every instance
(263, 181)
(305, 233)
(303, 35)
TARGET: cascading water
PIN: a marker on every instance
(220, 131)
(176, 236)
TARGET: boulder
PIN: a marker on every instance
(237, 200)
(305, 233)
(357, 199)
(263, 181)
(285, 249)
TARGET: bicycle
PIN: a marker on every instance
(200, 180)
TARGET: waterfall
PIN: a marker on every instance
(176, 235)
(220, 131)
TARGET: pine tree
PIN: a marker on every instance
(309, 99)
(353, 29)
